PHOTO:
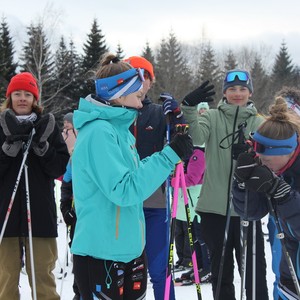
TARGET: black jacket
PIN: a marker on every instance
(41, 174)
(288, 213)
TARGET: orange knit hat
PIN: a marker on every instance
(23, 81)
(141, 62)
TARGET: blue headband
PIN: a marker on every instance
(119, 85)
(267, 146)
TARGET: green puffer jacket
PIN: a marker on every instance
(211, 128)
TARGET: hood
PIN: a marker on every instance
(88, 112)
(244, 111)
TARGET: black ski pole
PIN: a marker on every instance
(244, 231)
(241, 139)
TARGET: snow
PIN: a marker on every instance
(64, 287)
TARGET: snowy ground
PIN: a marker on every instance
(64, 287)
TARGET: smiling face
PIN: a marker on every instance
(237, 95)
(22, 102)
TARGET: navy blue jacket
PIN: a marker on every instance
(288, 213)
(150, 133)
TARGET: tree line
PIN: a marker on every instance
(64, 75)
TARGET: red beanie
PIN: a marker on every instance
(23, 81)
(141, 62)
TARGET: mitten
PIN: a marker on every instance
(44, 127)
(69, 217)
(203, 93)
(182, 144)
(263, 180)
(15, 131)
(244, 166)
(170, 105)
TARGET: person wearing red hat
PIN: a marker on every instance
(149, 130)
(46, 160)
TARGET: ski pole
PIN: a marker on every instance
(30, 233)
(191, 238)
(254, 261)
(220, 274)
(172, 235)
(280, 236)
(65, 263)
(12, 199)
(245, 226)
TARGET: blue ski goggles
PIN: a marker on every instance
(272, 147)
(241, 75)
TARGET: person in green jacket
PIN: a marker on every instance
(223, 130)
(110, 183)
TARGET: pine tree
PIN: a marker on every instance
(173, 73)
(209, 70)
(7, 65)
(38, 59)
(230, 61)
(283, 70)
(260, 81)
(120, 52)
(148, 54)
(65, 77)
(93, 49)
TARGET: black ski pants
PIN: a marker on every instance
(106, 279)
(213, 229)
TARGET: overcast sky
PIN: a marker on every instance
(132, 23)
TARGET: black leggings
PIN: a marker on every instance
(213, 228)
(107, 279)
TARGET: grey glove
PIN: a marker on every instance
(16, 132)
(12, 149)
(44, 127)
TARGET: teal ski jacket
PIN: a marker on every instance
(110, 183)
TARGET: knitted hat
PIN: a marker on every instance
(69, 117)
(237, 77)
(203, 105)
(23, 81)
(141, 62)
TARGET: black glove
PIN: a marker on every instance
(238, 148)
(245, 164)
(182, 144)
(263, 180)
(44, 127)
(69, 217)
(16, 132)
(201, 94)
(170, 105)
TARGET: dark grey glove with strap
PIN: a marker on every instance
(182, 144)
(16, 132)
(44, 127)
(263, 180)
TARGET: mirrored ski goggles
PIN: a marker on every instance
(119, 85)
(242, 76)
(267, 146)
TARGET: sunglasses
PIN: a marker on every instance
(241, 75)
(261, 148)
